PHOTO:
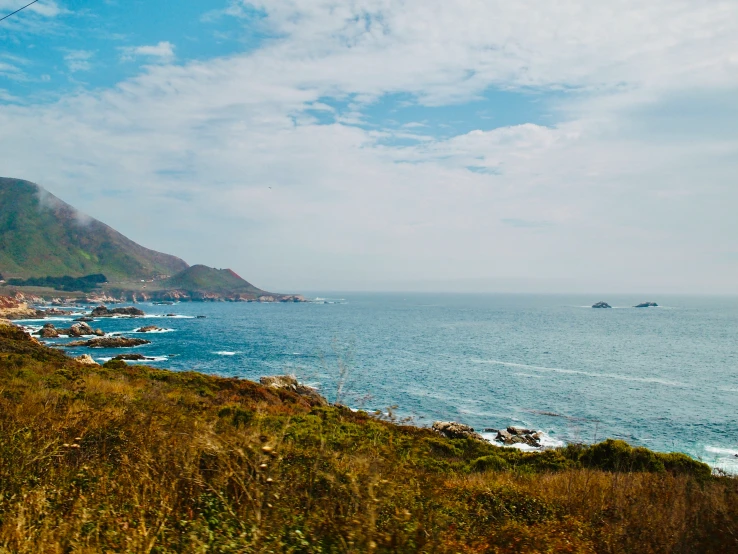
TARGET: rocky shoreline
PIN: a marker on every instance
(511, 436)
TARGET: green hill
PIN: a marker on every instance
(200, 278)
(41, 236)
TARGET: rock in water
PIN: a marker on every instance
(454, 430)
(48, 332)
(601, 305)
(289, 382)
(646, 305)
(519, 435)
(109, 342)
(102, 311)
(149, 329)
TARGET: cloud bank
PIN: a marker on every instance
(270, 161)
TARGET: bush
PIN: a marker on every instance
(486, 463)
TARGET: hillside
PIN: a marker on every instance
(40, 235)
(198, 283)
(136, 459)
(200, 278)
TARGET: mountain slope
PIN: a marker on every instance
(41, 235)
(200, 278)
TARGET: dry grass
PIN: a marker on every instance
(133, 459)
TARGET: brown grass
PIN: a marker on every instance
(133, 459)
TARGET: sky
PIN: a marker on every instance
(492, 146)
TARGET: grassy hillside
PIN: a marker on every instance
(136, 459)
(200, 278)
(42, 236)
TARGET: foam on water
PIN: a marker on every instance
(587, 373)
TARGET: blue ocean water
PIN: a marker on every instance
(665, 378)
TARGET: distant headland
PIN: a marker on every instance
(50, 249)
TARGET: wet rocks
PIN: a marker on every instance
(519, 435)
(77, 330)
(134, 358)
(601, 305)
(289, 382)
(455, 430)
(103, 311)
(646, 305)
(48, 332)
(149, 329)
(109, 342)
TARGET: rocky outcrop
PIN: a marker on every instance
(86, 359)
(601, 305)
(134, 358)
(109, 342)
(149, 329)
(519, 435)
(12, 308)
(454, 430)
(103, 311)
(646, 305)
(77, 330)
(289, 382)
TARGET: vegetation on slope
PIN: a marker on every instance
(86, 283)
(41, 235)
(201, 278)
(124, 458)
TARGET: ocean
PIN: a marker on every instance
(665, 378)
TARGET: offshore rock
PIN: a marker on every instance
(109, 342)
(519, 435)
(149, 329)
(601, 305)
(289, 382)
(454, 430)
(102, 311)
(48, 332)
(646, 305)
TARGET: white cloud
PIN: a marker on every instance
(218, 161)
(79, 60)
(163, 52)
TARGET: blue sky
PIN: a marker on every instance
(366, 144)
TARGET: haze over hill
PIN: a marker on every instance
(40, 235)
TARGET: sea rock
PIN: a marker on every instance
(132, 357)
(519, 435)
(520, 431)
(601, 305)
(48, 332)
(149, 329)
(80, 330)
(646, 305)
(86, 359)
(109, 342)
(290, 382)
(85, 319)
(454, 430)
(103, 311)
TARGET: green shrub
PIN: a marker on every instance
(486, 463)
